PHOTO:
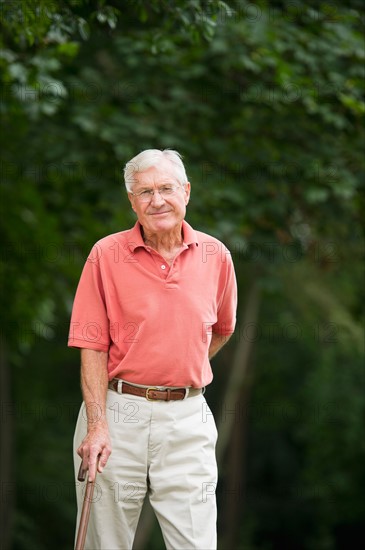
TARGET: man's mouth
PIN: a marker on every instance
(159, 213)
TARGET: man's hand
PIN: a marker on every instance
(97, 442)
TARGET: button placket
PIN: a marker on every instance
(159, 263)
(172, 275)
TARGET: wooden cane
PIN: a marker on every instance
(85, 513)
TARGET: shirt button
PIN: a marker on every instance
(163, 266)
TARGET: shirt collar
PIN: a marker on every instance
(136, 241)
(189, 234)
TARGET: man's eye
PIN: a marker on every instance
(146, 193)
(167, 189)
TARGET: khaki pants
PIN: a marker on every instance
(165, 450)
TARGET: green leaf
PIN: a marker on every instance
(84, 29)
(69, 48)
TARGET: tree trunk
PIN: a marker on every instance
(237, 376)
(232, 426)
(234, 493)
(6, 453)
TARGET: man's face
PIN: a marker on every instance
(161, 214)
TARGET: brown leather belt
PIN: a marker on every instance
(151, 393)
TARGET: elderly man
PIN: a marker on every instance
(153, 305)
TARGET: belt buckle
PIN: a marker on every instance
(147, 392)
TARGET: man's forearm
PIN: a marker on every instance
(94, 385)
(217, 342)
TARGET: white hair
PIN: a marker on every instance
(152, 157)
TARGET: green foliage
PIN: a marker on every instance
(306, 415)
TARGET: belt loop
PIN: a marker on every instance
(119, 386)
(186, 393)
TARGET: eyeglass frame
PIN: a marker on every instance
(152, 192)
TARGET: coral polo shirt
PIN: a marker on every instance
(155, 320)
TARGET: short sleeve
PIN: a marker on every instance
(227, 299)
(89, 326)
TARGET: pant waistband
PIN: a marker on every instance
(152, 393)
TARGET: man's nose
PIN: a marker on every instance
(157, 199)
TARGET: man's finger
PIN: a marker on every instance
(103, 459)
(93, 462)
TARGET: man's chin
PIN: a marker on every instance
(163, 223)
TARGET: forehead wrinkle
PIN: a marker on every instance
(153, 178)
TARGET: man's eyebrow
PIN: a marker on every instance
(140, 189)
(160, 184)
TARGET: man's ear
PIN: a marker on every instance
(131, 200)
(187, 188)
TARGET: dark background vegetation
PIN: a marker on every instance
(265, 100)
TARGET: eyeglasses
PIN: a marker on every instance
(165, 191)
